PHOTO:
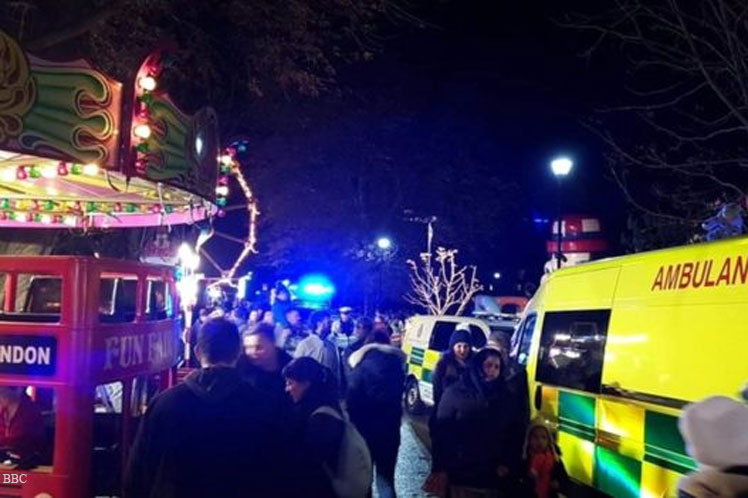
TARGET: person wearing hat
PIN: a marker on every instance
(451, 367)
(343, 328)
(716, 434)
(453, 364)
(544, 474)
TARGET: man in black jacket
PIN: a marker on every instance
(374, 402)
(213, 435)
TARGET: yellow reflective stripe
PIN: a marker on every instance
(657, 482)
(549, 406)
(430, 359)
(620, 428)
(578, 456)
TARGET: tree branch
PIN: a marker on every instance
(76, 30)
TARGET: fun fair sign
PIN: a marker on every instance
(139, 351)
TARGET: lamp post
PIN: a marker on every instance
(385, 246)
(561, 167)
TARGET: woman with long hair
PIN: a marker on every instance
(320, 424)
(479, 437)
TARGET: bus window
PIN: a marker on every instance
(27, 427)
(144, 389)
(160, 305)
(107, 439)
(38, 299)
(117, 298)
(107, 289)
(572, 345)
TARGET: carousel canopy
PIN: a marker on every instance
(80, 149)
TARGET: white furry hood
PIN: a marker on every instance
(358, 355)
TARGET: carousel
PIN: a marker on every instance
(80, 150)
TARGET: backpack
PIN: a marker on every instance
(353, 476)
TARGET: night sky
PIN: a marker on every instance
(502, 78)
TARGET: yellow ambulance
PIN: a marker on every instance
(615, 349)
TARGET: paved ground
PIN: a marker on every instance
(414, 459)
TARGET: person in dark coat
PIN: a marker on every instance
(453, 364)
(281, 303)
(262, 362)
(213, 435)
(515, 376)
(319, 435)
(479, 436)
(374, 402)
(361, 332)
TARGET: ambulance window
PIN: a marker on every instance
(525, 339)
(31, 443)
(477, 337)
(117, 298)
(441, 334)
(160, 305)
(572, 346)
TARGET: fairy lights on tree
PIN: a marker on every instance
(440, 285)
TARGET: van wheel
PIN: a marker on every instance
(413, 402)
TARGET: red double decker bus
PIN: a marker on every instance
(84, 344)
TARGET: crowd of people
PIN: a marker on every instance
(284, 408)
(287, 408)
(276, 409)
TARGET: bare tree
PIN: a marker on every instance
(678, 146)
(440, 285)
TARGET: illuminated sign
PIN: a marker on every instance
(696, 274)
(28, 355)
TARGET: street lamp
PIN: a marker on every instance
(384, 243)
(561, 167)
(385, 246)
(497, 275)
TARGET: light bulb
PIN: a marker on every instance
(8, 175)
(71, 221)
(45, 218)
(91, 169)
(49, 172)
(142, 131)
(222, 190)
(147, 83)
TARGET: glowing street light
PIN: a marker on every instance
(497, 275)
(561, 167)
(384, 243)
